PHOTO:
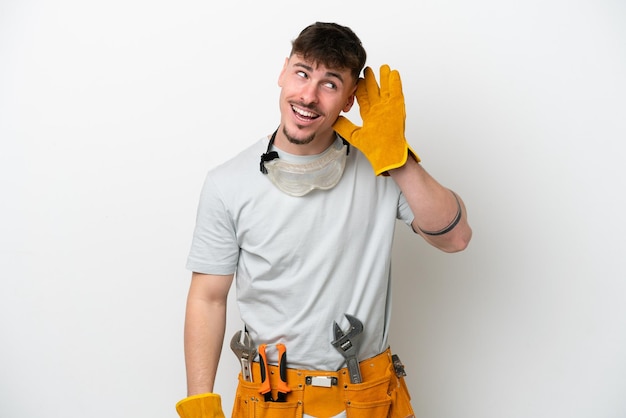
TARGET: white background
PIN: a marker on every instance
(112, 112)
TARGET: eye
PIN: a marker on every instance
(301, 74)
(330, 85)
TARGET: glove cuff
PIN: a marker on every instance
(206, 405)
(382, 169)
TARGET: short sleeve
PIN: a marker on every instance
(214, 247)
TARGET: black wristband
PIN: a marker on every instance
(452, 224)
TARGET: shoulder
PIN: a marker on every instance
(243, 162)
(238, 176)
(362, 170)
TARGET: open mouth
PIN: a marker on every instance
(304, 114)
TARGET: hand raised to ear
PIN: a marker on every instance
(381, 138)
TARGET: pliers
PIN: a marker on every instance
(282, 388)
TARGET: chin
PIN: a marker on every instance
(300, 138)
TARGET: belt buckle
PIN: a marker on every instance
(321, 381)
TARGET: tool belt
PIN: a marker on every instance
(383, 394)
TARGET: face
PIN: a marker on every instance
(312, 97)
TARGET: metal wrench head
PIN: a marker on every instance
(344, 341)
(239, 345)
(244, 349)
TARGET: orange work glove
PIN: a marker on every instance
(381, 138)
(207, 405)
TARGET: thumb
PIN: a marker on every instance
(345, 128)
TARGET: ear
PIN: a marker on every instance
(282, 72)
(349, 103)
(351, 99)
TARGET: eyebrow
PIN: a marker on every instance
(310, 69)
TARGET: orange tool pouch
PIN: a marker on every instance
(327, 393)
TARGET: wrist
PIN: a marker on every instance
(411, 165)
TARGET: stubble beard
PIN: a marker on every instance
(298, 141)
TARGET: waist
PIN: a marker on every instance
(371, 369)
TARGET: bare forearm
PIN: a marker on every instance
(205, 323)
(434, 206)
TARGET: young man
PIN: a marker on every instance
(304, 220)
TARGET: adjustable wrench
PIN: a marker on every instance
(347, 345)
(244, 349)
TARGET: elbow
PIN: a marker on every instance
(459, 242)
(453, 242)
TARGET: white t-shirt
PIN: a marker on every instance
(301, 263)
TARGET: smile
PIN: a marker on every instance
(304, 113)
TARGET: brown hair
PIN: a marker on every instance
(332, 45)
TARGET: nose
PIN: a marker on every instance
(308, 94)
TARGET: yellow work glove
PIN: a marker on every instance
(381, 138)
(207, 405)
